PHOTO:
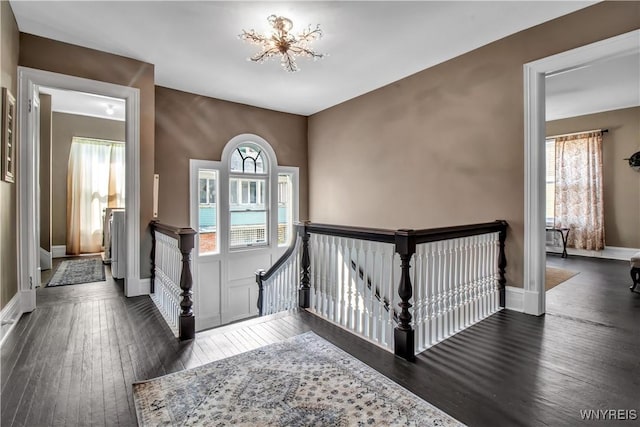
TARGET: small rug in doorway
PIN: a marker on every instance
(302, 381)
(554, 276)
(76, 271)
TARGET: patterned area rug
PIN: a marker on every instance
(76, 271)
(304, 381)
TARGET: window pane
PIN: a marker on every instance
(233, 192)
(247, 159)
(252, 192)
(207, 213)
(285, 209)
(248, 228)
(212, 191)
(203, 190)
(245, 192)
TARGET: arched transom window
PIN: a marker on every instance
(248, 158)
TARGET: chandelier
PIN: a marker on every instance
(282, 42)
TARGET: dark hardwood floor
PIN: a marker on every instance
(73, 360)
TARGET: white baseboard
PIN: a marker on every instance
(59, 251)
(609, 252)
(9, 316)
(45, 259)
(514, 298)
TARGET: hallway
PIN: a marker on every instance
(73, 360)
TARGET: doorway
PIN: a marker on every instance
(535, 135)
(243, 208)
(29, 175)
(82, 174)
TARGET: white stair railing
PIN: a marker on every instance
(171, 277)
(361, 279)
(278, 288)
(456, 284)
(353, 285)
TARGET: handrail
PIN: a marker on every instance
(446, 233)
(170, 230)
(186, 242)
(360, 233)
(266, 275)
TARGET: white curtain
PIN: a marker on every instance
(95, 180)
(579, 199)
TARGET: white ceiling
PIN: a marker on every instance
(85, 104)
(195, 48)
(609, 84)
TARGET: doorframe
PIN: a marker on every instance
(534, 153)
(28, 177)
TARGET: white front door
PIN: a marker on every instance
(244, 223)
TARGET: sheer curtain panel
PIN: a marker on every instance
(95, 180)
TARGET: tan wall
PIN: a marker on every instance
(621, 183)
(45, 172)
(190, 126)
(51, 55)
(444, 146)
(65, 127)
(9, 40)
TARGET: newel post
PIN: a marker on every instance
(186, 238)
(304, 293)
(403, 334)
(502, 263)
(259, 281)
(152, 285)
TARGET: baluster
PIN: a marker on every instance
(450, 286)
(457, 284)
(333, 279)
(418, 296)
(356, 288)
(369, 262)
(341, 282)
(389, 287)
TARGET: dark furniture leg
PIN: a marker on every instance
(564, 242)
(635, 276)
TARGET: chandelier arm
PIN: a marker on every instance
(303, 51)
(253, 37)
(261, 56)
(310, 35)
(289, 63)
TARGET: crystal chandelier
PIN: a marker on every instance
(282, 42)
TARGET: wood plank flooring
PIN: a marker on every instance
(73, 360)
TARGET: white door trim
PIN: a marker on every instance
(29, 173)
(534, 156)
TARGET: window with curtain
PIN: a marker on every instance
(578, 195)
(95, 181)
